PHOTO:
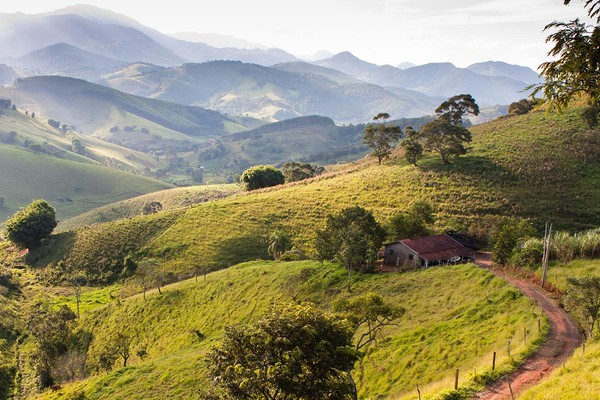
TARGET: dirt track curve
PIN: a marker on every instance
(562, 340)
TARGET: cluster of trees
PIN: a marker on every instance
(445, 135)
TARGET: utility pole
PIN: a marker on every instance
(546, 255)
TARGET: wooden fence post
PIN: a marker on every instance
(494, 362)
(456, 379)
(508, 347)
(419, 392)
(512, 395)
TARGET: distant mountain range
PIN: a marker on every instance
(273, 93)
(490, 82)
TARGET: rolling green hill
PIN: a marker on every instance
(71, 187)
(94, 108)
(443, 328)
(535, 166)
(169, 199)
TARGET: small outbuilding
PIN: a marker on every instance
(427, 251)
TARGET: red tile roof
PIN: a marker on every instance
(439, 247)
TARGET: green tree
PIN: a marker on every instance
(349, 237)
(456, 107)
(296, 352)
(446, 134)
(381, 137)
(369, 315)
(511, 231)
(279, 242)
(583, 298)
(296, 171)
(29, 226)
(416, 222)
(575, 68)
(261, 176)
(413, 149)
(444, 138)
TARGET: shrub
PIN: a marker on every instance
(261, 176)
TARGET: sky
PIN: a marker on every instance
(379, 31)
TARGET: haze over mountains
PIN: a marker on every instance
(186, 100)
(97, 45)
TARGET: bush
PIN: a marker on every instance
(261, 176)
(29, 226)
(529, 253)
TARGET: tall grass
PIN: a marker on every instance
(567, 247)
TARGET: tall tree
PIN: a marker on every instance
(29, 226)
(413, 149)
(456, 107)
(445, 138)
(349, 238)
(381, 137)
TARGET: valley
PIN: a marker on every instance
(207, 215)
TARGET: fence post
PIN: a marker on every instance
(456, 379)
(508, 347)
(512, 395)
(419, 392)
(494, 362)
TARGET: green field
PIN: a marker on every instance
(169, 199)
(558, 272)
(456, 317)
(71, 187)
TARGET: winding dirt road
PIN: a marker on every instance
(562, 340)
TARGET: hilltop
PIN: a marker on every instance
(537, 166)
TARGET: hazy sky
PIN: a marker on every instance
(380, 31)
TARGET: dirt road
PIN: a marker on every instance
(562, 340)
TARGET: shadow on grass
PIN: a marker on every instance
(240, 249)
(53, 249)
(475, 167)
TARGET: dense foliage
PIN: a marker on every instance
(29, 226)
(352, 237)
(261, 176)
(575, 67)
(296, 352)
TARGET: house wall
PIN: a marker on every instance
(399, 254)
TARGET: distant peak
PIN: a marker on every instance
(345, 55)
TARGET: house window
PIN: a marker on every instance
(391, 252)
(411, 257)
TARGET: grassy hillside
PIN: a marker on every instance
(577, 379)
(456, 317)
(20, 130)
(169, 199)
(535, 166)
(71, 187)
(89, 106)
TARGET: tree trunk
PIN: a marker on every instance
(353, 390)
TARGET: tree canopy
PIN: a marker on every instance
(350, 237)
(575, 69)
(381, 137)
(261, 176)
(29, 226)
(296, 352)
